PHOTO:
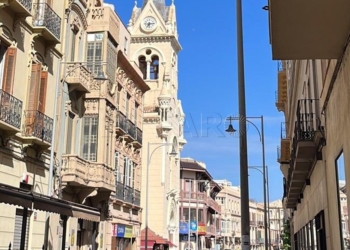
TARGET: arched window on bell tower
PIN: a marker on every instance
(154, 70)
(143, 66)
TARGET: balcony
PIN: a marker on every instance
(298, 28)
(284, 149)
(79, 78)
(46, 22)
(307, 143)
(121, 127)
(281, 95)
(10, 112)
(213, 204)
(200, 197)
(81, 173)
(127, 194)
(211, 230)
(252, 223)
(138, 138)
(130, 130)
(104, 18)
(37, 127)
(23, 8)
(260, 223)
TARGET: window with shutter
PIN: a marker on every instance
(94, 52)
(90, 138)
(18, 230)
(69, 133)
(42, 91)
(116, 167)
(34, 87)
(9, 70)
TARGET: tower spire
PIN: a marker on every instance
(160, 5)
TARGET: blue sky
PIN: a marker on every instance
(208, 87)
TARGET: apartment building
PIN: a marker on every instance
(229, 200)
(313, 89)
(30, 53)
(277, 218)
(200, 214)
(101, 120)
(154, 47)
(257, 228)
(71, 130)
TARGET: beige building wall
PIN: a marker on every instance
(156, 48)
(27, 112)
(325, 81)
(229, 200)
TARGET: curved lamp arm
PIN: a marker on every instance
(260, 136)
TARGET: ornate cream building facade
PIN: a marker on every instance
(154, 48)
(30, 54)
(70, 126)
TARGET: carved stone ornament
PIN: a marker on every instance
(75, 24)
(95, 85)
(91, 106)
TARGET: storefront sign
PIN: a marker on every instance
(128, 232)
(120, 230)
(114, 230)
(183, 228)
(202, 229)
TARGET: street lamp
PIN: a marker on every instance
(149, 157)
(262, 137)
(266, 194)
(243, 158)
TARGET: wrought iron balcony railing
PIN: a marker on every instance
(138, 135)
(127, 194)
(131, 129)
(122, 121)
(119, 190)
(137, 197)
(308, 121)
(45, 16)
(26, 4)
(38, 125)
(10, 109)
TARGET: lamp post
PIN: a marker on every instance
(243, 158)
(230, 129)
(266, 197)
(149, 157)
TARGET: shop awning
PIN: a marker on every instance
(171, 244)
(150, 244)
(21, 197)
(15, 196)
(85, 213)
(50, 204)
(152, 236)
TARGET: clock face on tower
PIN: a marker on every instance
(149, 23)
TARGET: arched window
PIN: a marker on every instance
(143, 66)
(154, 70)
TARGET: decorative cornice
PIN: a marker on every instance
(158, 39)
(151, 120)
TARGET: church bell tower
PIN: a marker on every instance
(154, 48)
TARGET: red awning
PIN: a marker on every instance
(150, 244)
(152, 236)
(171, 244)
